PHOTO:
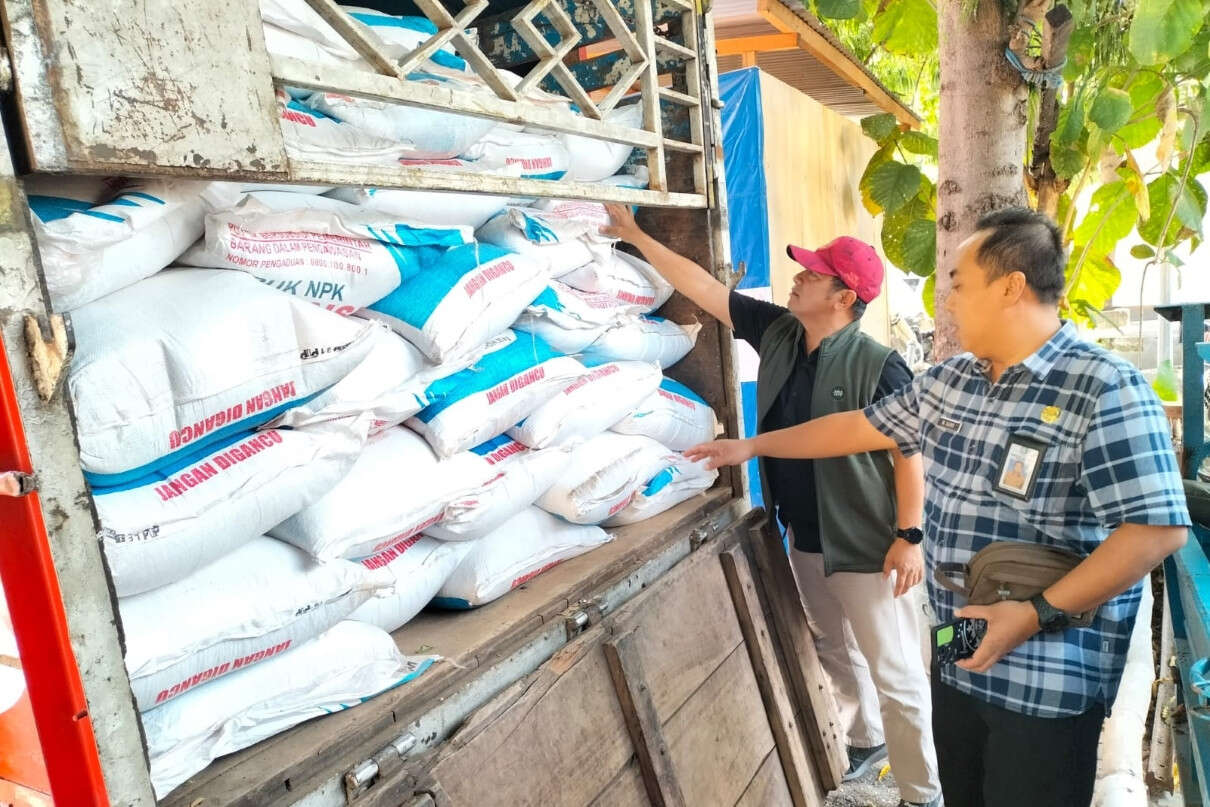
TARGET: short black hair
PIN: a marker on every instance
(1025, 241)
(858, 306)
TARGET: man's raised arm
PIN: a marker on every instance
(831, 436)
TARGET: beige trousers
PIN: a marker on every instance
(869, 646)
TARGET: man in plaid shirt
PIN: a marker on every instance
(1031, 436)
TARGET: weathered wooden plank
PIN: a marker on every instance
(685, 631)
(355, 35)
(807, 681)
(649, 80)
(626, 790)
(768, 788)
(275, 771)
(138, 83)
(721, 734)
(310, 173)
(558, 741)
(626, 668)
(804, 789)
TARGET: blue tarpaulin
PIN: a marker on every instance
(748, 211)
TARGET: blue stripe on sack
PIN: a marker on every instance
(299, 106)
(451, 603)
(96, 214)
(177, 459)
(524, 353)
(551, 176)
(53, 208)
(537, 232)
(418, 24)
(122, 201)
(169, 471)
(415, 299)
(661, 480)
(680, 389)
(548, 299)
(412, 676)
(483, 449)
(145, 196)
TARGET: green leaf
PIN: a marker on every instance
(838, 9)
(1144, 91)
(1071, 122)
(907, 27)
(1163, 29)
(920, 247)
(1094, 285)
(1067, 161)
(895, 229)
(919, 143)
(1195, 61)
(880, 128)
(1190, 208)
(1111, 110)
(1142, 252)
(928, 295)
(878, 158)
(1111, 216)
(893, 184)
(1166, 384)
(1201, 158)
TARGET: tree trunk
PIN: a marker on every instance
(983, 115)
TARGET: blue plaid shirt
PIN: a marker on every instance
(1107, 460)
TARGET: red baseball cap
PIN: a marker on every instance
(854, 262)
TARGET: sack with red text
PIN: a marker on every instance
(540, 155)
(674, 416)
(395, 490)
(560, 243)
(653, 339)
(569, 320)
(256, 602)
(678, 481)
(606, 472)
(419, 566)
(189, 357)
(461, 301)
(330, 252)
(523, 547)
(519, 476)
(517, 374)
(433, 207)
(348, 664)
(627, 279)
(161, 529)
(90, 250)
(589, 405)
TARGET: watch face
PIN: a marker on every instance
(913, 535)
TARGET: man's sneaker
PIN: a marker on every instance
(937, 802)
(862, 759)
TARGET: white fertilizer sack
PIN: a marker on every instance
(190, 356)
(254, 603)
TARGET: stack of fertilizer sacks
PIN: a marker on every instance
(308, 413)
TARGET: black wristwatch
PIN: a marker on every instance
(913, 535)
(1050, 619)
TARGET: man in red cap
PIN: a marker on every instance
(854, 522)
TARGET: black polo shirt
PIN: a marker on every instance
(790, 486)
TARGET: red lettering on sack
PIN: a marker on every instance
(216, 464)
(405, 539)
(530, 163)
(504, 452)
(219, 669)
(596, 375)
(523, 579)
(672, 396)
(622, 505)
(298, 117)
(486, 275)
(637, 299)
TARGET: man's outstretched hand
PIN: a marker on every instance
(722, 452)
(622, 224)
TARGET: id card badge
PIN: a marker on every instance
(1018, 471)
